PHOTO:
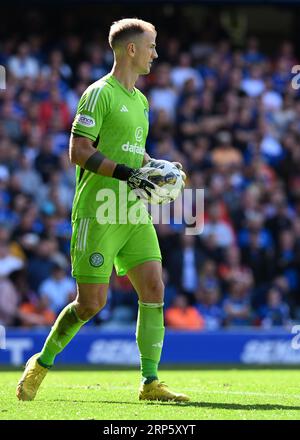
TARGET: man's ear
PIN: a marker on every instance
(131, 49)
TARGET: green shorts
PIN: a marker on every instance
(95, 248)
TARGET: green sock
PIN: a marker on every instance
(64, 329)
(149, 336)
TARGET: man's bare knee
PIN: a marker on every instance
(90, 300)
(153, 292)
(87, 311)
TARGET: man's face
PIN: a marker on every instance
(145, 52)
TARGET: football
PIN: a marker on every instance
(168, 180)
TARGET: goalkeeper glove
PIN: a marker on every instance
(177, 165)
(135, 178)
(183, 175)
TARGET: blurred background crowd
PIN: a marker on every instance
(222, 106)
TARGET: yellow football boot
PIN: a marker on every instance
(157, 390)
(31, 379)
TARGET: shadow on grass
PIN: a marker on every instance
(212, 405)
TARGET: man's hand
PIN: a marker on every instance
(183, 175)
(177, 165)
(139, 179)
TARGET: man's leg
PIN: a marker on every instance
(91, 298)
(146, 278)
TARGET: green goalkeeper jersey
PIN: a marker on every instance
(116, 120)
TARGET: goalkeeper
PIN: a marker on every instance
(107, 145)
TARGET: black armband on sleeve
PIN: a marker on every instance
(122, 172)
(94, 162)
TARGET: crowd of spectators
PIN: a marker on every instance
(229, 115)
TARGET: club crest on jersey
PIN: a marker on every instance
(86, 121)
(96, 259)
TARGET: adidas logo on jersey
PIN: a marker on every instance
(124, 108)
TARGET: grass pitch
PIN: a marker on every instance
(112, 395)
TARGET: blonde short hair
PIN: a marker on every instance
(126, 28)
